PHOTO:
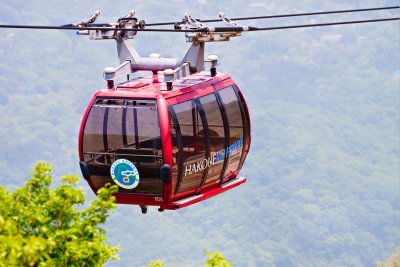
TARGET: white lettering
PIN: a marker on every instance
(158, 199)
(188, 168)
(193, 168)
(205, 163)
(215, 158)
(199, 166)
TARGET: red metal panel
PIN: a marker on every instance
(183, 202)
(165, 140)
(138, 199)
(224, 83)
(194, 92)
(127, 94)
(184, 194)
(132, 85)
(205, 194)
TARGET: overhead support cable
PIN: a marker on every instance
(324, 24)
(214, 29)
(288, 15)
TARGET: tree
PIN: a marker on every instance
(216, 259)
(156, 263)
(40, 226)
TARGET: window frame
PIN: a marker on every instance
(200, 109)
(125, 107)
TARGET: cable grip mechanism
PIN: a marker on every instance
(89, 20)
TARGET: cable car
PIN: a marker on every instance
(174, 138)
(171, 139)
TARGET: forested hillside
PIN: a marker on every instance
(323, 170)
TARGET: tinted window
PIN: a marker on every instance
(93, 135)
(236, 135)
(216, 135)
(246, 124)
(193, 145)
(122, 129)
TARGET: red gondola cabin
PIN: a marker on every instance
(175, 147)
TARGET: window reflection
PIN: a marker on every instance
(190, 159)
(124, 129)
(234, 114)
(193, 145)
(216, 134)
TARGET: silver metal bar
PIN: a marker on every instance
(89, 20)
(122, 154)
(121, 70)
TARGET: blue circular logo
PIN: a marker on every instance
(124, 174)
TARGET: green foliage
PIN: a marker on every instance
(156, 263)
(40, 226)
(216, 259)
